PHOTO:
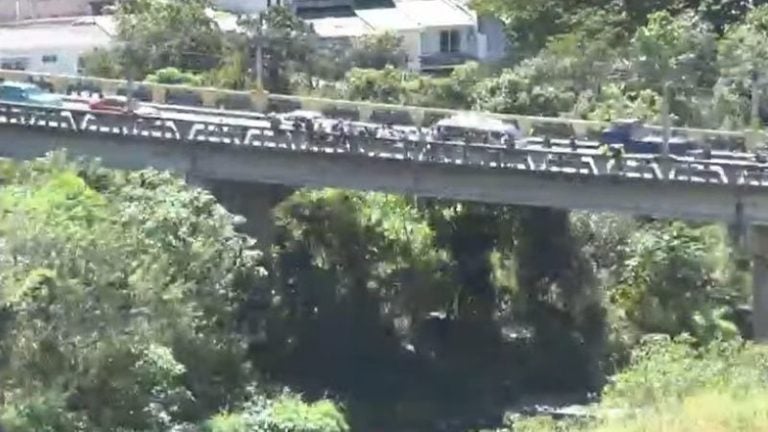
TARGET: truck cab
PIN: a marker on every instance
(27, 93)
(635, 137)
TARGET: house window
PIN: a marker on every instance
(450, 41)
(50, 58)
(14, 64)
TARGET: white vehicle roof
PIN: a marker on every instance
(303, 114)
(478, 122)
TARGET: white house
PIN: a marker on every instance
(53, 46)
(449, 33)
(17, 10)
(436, 34)
(396, 21)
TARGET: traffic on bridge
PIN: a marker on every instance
(470, 139)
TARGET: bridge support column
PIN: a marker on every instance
(252, 201)
(759, 246)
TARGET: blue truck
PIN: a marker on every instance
(635, 137)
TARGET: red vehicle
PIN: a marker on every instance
(119, 104)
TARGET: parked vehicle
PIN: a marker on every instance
(28, 93)
(120, 105)
(636, 138)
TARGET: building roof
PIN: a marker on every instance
(436, 13)
(393, 19)
(340, 27)
(80, 33)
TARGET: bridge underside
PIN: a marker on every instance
(271, 165)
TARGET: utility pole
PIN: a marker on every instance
(260, 52)
(753, 136)
(665, 118)
(754, 117)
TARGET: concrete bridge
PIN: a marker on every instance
(260, 101)
(248, 161)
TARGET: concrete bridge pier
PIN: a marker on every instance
(759, 246)
(252, 201)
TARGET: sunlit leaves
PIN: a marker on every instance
(112, 282)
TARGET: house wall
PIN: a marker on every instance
(66, 60)
(412, 47)
(243, 6)
(496, 38)
(430, 39)
(36, 9)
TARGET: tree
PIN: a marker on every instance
(287, 43)
(154, 34)
(679, 50)
(742, 60)
(678, 279)
(101, 63)
(511, 92)
(122, 292)
(384, 85)
(378, 51)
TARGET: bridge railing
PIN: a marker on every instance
(250, 135)
(244, 102)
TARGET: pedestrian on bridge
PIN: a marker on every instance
(508, 141)
(617, 154)
(275, 124)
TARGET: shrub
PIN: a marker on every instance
(291, 414)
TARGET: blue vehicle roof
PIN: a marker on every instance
(19, 84)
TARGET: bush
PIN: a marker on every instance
(286, 413)
(665, 371)
(675, 386)
(171, 75)
(290, 414)
(227, 422)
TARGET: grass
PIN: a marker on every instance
(676, 386)
(706, 411)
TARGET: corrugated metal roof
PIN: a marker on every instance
(436, 13)
(387, 19)
(340, 27)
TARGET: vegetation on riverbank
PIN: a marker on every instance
(130, 303)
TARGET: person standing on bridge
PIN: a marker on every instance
(617, 154)
(508, 141)
(275, 124)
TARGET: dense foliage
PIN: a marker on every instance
(128, 302)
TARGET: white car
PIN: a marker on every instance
(302, 115)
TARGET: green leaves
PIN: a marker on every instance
(177, 33)
(677, 280)
(676, 49)
(111, 293)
